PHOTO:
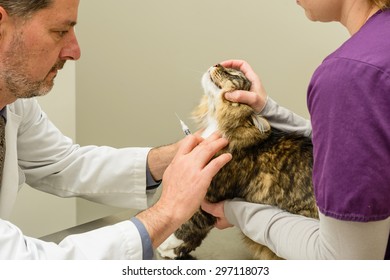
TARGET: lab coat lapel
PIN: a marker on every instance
(10, 183)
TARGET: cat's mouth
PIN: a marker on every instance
(213, 73)
(215, 82)
(211, 85)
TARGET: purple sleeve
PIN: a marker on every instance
(349, 103)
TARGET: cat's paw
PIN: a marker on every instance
(167, 248)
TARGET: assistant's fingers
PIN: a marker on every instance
(222, 224)
(233, 63)
(212, 208)
(217, 210)
(240, 96)
(241, 65)
(245, 68)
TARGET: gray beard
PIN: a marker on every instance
(20, 87)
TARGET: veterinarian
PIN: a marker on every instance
(348, 100)
(36, 39)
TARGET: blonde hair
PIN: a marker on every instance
(382, 4)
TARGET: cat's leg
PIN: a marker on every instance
(167, 248)
(188, 237)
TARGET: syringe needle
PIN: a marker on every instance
(184, 127)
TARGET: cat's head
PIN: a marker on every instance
(219, 80)
(216, 113)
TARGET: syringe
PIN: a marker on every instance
(184, 127)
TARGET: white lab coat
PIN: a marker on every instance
(39, 154)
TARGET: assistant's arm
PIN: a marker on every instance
(285, 120)
(297, 237)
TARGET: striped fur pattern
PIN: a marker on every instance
(268, 166)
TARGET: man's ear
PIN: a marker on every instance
(3, 18)
(3, 14)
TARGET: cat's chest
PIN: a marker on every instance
(211, 127)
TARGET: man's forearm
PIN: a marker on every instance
(158, 224)
(159, 158)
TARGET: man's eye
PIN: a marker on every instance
(62, 33)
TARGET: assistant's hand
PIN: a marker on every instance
(217, 210)
(185, 183)
(257, 96)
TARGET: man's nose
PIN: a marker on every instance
(71, 51)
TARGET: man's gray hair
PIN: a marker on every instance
(24, 8)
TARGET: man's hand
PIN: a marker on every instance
(185, 183)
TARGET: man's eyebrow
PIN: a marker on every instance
(70, 23)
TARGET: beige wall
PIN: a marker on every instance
(142, 61)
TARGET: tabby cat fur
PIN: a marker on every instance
(268, 166)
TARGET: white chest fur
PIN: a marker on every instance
(212, 126)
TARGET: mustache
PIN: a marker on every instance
(59, 65)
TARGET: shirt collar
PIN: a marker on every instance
(3, 112)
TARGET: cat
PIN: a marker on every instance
(268, 166)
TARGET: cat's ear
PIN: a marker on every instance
(261, 123)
